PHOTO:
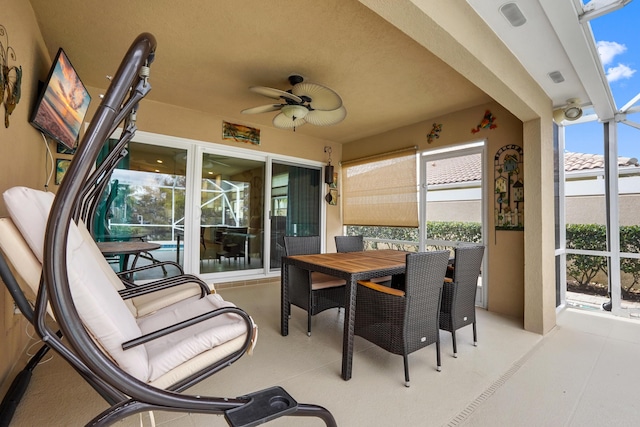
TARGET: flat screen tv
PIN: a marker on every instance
(62, 103)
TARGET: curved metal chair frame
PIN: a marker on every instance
(459, 295)
(76, 200)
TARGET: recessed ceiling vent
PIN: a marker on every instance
(556, 76)
(514, 15)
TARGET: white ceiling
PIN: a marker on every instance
(553, 39)
(210, 52)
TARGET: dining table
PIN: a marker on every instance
(123, 250)
(352, 267)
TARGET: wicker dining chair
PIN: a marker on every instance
(459, 295)
(402, 322)
(349, 243)
(313, 292)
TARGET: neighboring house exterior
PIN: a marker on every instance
(454, 193)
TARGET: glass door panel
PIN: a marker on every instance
(453, 201)
(145, 199)
(629, 224)
(232, 213)
(295, 206)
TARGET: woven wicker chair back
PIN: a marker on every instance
(349, 243)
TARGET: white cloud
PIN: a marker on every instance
(619, 72)
(609, 50)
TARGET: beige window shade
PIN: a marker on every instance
(381, 190)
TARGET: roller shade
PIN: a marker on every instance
(381, 190)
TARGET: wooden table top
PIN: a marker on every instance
(356, 262)
(123, 248)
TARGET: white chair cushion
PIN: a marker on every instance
(104, 266)
(20, 257)
(170, 351)
(29, 210)
(198, 363)
(99, 305)
(102, 310)
(106, 316)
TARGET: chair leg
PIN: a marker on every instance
(455, 347)
(406, 370)
(475, 335)
(308, 323)
(438, 359)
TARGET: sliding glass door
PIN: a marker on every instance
(145, 199)
(453, 200)
(231, 213)
(295, 205)
(220, 212)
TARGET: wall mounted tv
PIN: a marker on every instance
(62, 103)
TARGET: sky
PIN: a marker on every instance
(617, 37)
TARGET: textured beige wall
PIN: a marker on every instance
(22, 152)
(459, 37)
(505, 249)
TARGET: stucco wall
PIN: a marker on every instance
(22, 152)
(505, 249)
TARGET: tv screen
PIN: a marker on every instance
(62, 103)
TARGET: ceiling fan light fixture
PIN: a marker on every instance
(304, 103)
(294, 112)
(283, 122)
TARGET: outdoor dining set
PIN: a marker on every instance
(395, 299)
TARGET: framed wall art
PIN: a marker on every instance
(61, 169)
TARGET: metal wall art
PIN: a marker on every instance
(435, 132)
(509, 188)
(10, 76)
(487, 122)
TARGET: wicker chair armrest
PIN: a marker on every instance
(381, 288)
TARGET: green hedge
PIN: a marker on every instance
(403, 236)
(584, 268)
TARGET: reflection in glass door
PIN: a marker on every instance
(232, 213)
(295, 206)
(453, 200)
(145, 200)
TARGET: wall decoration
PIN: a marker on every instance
(509, 188)
(488, 122)
(435, 132)
(240, 133)
(63, 149)
(334, 183)
(10, 76)
(61, 168)
(332, 197)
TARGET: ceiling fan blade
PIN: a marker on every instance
(326, 118)
(283, 122)
(322, 98)
(262, 109)
(274, 93)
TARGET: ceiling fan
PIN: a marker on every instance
(304, 103)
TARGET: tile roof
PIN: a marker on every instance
(467, 168)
